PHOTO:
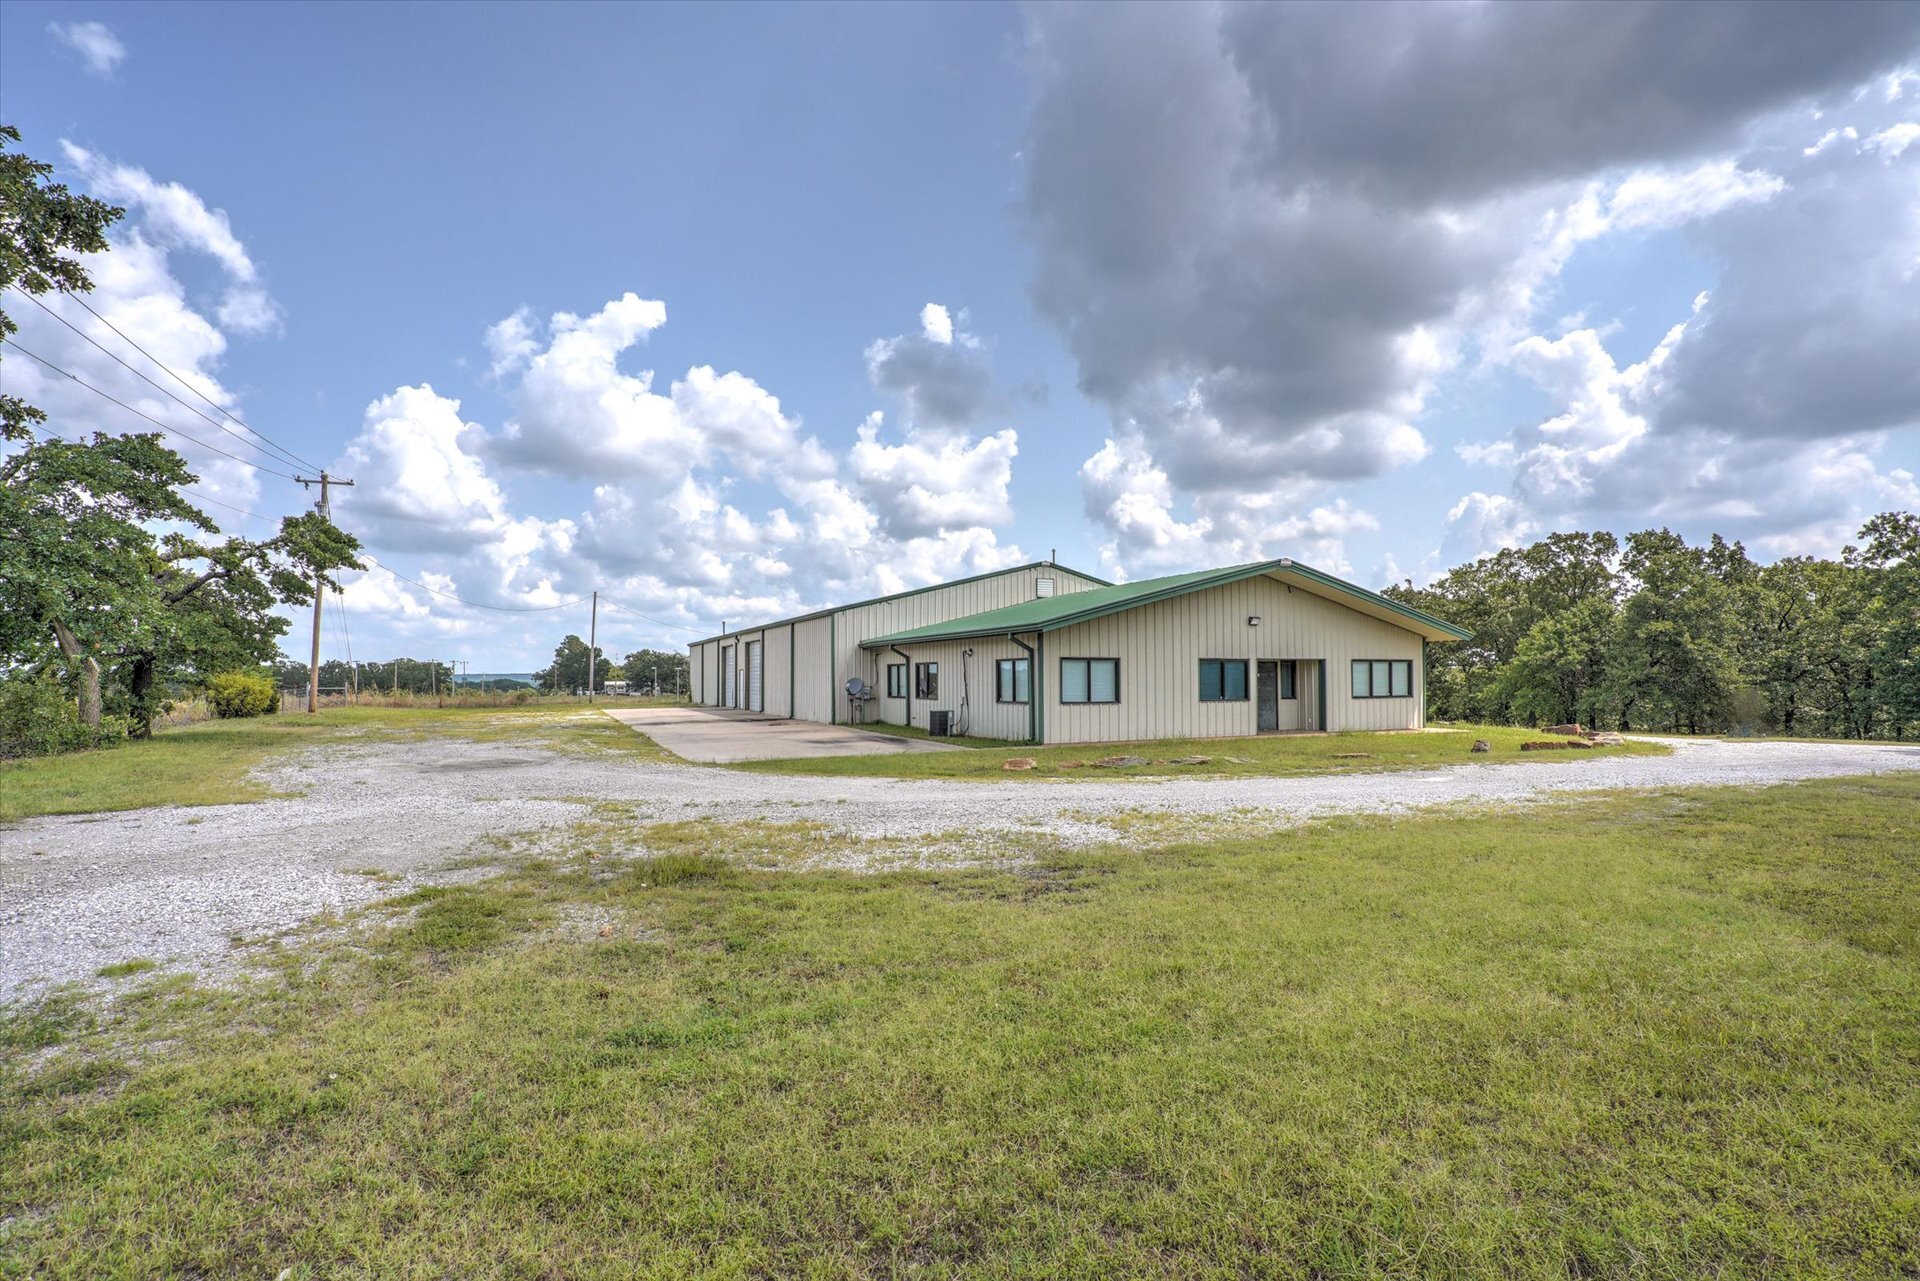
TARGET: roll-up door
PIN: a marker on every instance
(754, 665)
(727, 686)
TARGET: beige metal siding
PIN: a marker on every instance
(826, 651)
(1159, 647)
(774, 656)
(814, 694)
(707, 657)
(986, 718)
(934, 606)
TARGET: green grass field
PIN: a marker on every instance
(1285, 754)
(1661, 1036)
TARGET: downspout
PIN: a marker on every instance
(908, 660)
(1324, 727)
(1040, 687)
(1033, 701)
(833, 663)
(793, 688)
(1423, 685)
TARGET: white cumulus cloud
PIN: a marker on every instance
(94, 42)
(139, 291)
(175, 217)
(709, 501)
(936, 323)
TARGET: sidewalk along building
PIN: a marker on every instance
(1045, 654)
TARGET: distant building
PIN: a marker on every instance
(1046, 654)
(615, 687)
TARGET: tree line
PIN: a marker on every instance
(1654, 633)
(648, 671)
(409, 675)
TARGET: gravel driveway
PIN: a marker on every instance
(182, 885)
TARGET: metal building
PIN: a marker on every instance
(1048, 655)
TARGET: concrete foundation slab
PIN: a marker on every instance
(719, 736)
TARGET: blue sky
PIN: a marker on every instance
(1206, 284)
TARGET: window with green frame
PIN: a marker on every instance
(1383, 678)
(1223, 680)
(1089, 680)
(926, 680)
(896, 680)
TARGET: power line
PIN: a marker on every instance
(173, 396)
(473, 604)
(657, 621)
(346, 636)
(190, 493)
(223, 410)
(148, 417)
(504, 609)
(229, 506)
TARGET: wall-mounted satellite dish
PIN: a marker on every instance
(856, 687)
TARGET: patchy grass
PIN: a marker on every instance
(210, 763)
(203, 764)
(920, 732)
(125, 969)
(1271, 755)
(51, 1021)
(1666, 1036)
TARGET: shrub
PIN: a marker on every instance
(38, 717)
(235, 694)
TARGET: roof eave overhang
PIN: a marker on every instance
(1288, 571)
(817, 614)
(887, 642)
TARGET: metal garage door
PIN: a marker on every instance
(726, 676)
(754, 665)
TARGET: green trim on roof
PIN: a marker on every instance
(1045, 614)
(914, 591)
(1055, 612)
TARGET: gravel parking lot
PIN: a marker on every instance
(180, 886)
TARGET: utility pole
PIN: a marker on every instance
(593, 639)
(325, 508)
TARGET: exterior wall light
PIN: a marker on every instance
(1253, 620)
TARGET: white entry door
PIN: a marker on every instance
(754, 698)
(726, 676)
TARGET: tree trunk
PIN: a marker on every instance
(88, 668)
(139, 683)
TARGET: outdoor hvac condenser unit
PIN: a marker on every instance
(940, 724)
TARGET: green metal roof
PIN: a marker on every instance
(911, 591)
(1051, 613)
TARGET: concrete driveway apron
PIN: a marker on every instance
(719, 736)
